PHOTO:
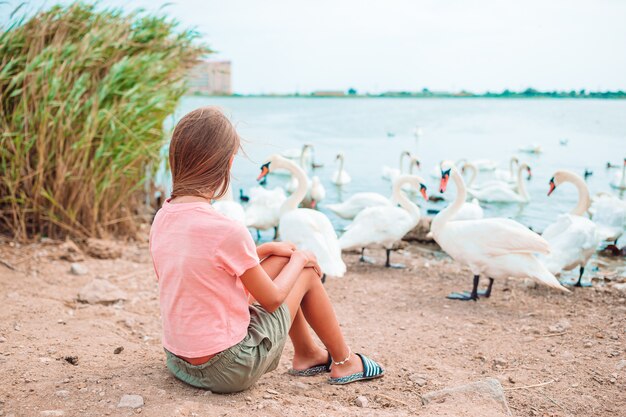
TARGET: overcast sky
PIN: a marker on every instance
(295, 45)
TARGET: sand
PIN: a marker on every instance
(554, 354)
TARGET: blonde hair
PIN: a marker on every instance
(202, 145)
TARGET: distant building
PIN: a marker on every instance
(210, 77)
(321, 93)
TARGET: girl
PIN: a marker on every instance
(208, 268)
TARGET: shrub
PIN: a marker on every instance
(83, 96)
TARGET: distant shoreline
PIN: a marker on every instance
(404, 97)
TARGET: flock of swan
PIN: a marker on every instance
(494, 248)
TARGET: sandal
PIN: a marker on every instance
(313, 370)
(371, 370)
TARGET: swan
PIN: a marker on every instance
(292, 185)
(501, 193)
(609, 213)
(358, 202)
(572, 238)
(534, 148)
(263, 209)
(495, 247)
(507, 176)
(469, 166)
(307, 229)
(229, 208)
(619, 179)
(418, 131)
(470, 211)
(389, 173)
(341, 177)
(485, 164)
(385, 225)
(297, 154)
(436, 171)
(316, 192)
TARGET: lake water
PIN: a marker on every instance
(452, 129)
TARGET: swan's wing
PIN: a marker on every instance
(311, 230)
(376, 225)
(496, 236)
(572, 240)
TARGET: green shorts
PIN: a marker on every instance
(238, 367)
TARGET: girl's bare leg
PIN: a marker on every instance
(306, 352)
(309, 297)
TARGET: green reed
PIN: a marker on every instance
(83, 96)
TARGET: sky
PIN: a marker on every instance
(285, 46)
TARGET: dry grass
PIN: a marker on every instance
(83, 96)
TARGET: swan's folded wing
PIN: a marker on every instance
(496, 237)
(562, 223)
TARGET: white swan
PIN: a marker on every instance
(502, 193)
(341, 176)
(471, 186)
(572, 238)
(619, 179)
(608, 212)
(507, 176)
(229, 208)
(495, 247)
(357, 203)
(485, 164)
(304, 161)
(307, 229)
(385, 225)
(534, 148)
(389, 173)
(316, 192)
(470, 211)
(263, 209)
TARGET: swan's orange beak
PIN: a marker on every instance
(445, 176)
(530, 174)
(265, 169)
(423, 191)
(552, 186)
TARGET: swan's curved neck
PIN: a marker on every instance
(398, 196)
(449, 212)
(583, 193)
(298, 173)
(340, 157)
(521, 187)
(402, 155)
(474, 170)
(512, 164)
(306, 151)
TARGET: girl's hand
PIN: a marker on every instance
(311, 261)
(285, 249)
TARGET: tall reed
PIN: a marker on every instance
(84, 92)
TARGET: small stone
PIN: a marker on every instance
(51, 413)
(78, 269)
(267, 396)
(249, 399)
(361, 401)
(588, 344)
(612, 380)
(511, 379)
(621, 365)
(575, 385)
(500, 362)
(100, 291)
(71, 360)
(271, 391)
(418, 379)
(118, 350)
(130, 401)
(103, 249)
(70, 252)
(3, 339)
(560, 327)
(302, 385)
(62, 393)
(599, 335)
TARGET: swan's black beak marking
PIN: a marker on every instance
(423, 191)
(552, 186)
(445, 176)
(265, 169)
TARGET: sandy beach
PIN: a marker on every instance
(553, 354)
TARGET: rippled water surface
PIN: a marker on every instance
(372, 133)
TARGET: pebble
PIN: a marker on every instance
(3, 339)
(50, 413)
(621, 364)
(268, 396)
(560, 327)
(249, 399)
(361, 401)
(511, 379)
(302, 385)
(418, 379)
(587, 344)
(130, 401)
(62, 393)
(118, 350)
(78, 269)
(271, 391)
(500, 362)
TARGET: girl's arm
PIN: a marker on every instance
(285, 249)
(272, 294)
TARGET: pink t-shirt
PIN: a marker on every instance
(198, 257)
